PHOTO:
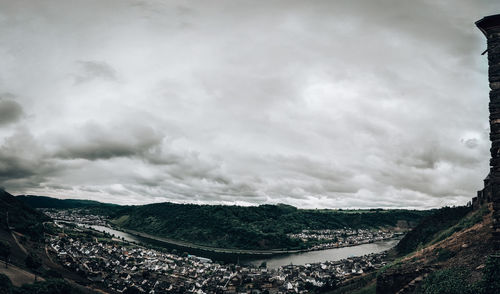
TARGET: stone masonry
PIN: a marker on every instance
(490, 26)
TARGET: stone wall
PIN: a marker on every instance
(490, 26)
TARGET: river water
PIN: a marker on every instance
(117, 234)
(272, 261)
(333, 254)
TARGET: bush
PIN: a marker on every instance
(449, 281)
(54, 286)
(463, 224)
(454, 281)
(491, 275)
(52, 274)
(5, 284)
(444, 254)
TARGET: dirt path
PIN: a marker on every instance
(18, 276)
(18, 244)
(48, 256)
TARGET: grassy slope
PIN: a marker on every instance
(442, 254)
(27, 225)
(436, 246)
(441, 220)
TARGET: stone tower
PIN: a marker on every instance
(490, 26)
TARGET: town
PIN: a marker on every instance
(317, 239)
(120, 266)
(327, 239)
(79, 216)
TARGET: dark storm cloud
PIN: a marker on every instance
(311, 103)
(10, 110)
(14, 161)
(23, 163)
(95, 141)
(14, 167)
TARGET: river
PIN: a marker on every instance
(116, 233)
(333, 254)
(272, 261)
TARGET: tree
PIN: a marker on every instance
(491, 272)
(131, 290)
(50, 286)
(5, 251)
(33, 262)
(5, 285)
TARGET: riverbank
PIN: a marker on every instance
(327, 255)
(245, 251)
(273, 258)
(201, 275)
(208, 248)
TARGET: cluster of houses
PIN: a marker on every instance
(120, 267)
(342, 237)
(80, 216)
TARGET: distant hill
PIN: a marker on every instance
(49, 202)
(257, 227)
(20, 216)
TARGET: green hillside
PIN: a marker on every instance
(20, 216)
(430, 226)
(258, 227)
(48, 202)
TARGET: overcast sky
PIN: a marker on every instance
(316, 104)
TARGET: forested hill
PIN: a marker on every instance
(49, 202)
(20, 216)
(255, 227)
(258, 227)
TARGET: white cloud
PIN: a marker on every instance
(315, 104)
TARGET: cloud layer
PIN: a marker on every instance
(10, 111)
(315, 104)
